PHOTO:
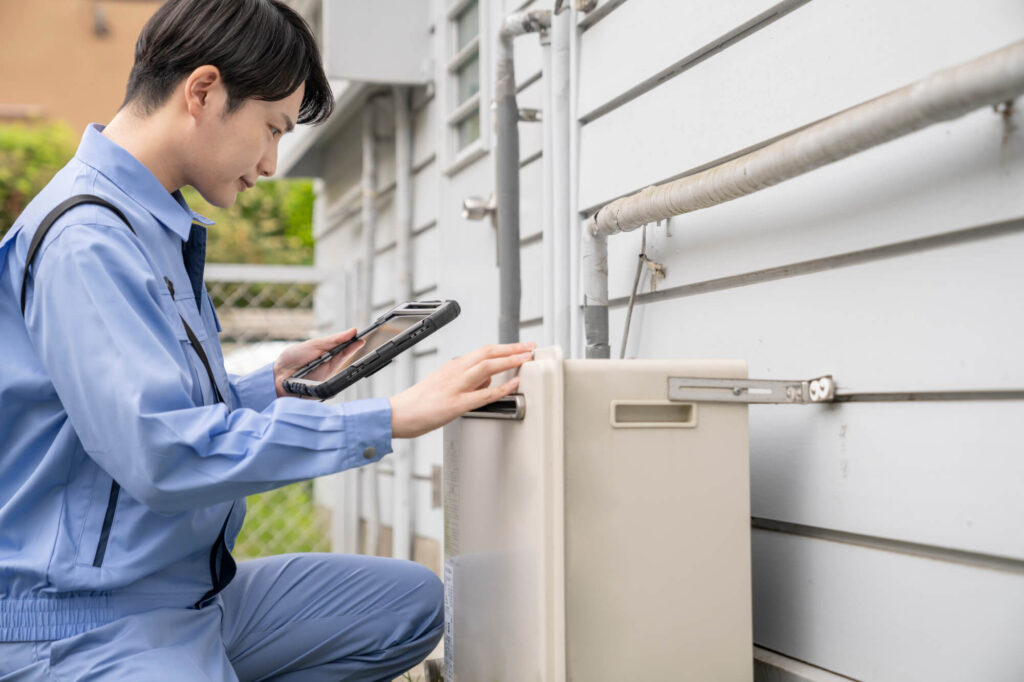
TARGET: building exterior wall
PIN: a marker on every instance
(54, 64)
(888, 539)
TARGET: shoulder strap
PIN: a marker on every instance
(44, 227)
(222, 565)
(50, 219)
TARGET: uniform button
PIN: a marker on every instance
(370, 453)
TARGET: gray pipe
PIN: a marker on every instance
(507, 194)
(507, 169)
(369, 212)
(594, 249)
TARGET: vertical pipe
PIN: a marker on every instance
(507, 192)
(369, 210)
(507, 167)
(551, 267)
(575, 257)
(595, 293)
(402, 521)
(561, 190)
(369, 215)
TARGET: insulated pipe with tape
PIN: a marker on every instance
(948, 94)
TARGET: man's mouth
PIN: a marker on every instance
(244, 184)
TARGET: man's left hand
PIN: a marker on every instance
(295, 357)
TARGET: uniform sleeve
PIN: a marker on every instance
(255, 390)
(119, 368)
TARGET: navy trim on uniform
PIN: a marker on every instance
(108, 521)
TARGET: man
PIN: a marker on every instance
(126, 449)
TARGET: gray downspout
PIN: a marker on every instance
(507, 168)
(402, 509)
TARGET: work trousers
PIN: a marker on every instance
(296, 617)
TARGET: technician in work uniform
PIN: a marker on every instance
(123, 467)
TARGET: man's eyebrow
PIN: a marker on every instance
(289, 126)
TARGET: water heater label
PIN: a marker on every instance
(449, 620)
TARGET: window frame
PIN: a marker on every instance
(455, 111)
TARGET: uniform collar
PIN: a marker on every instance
(134, 179)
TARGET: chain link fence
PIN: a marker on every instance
(262, 309)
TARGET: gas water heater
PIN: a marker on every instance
(596, 530)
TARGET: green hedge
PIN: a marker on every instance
(269, 223)
(30, 153)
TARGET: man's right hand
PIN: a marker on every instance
(459, 386)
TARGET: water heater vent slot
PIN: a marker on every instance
(646, 414)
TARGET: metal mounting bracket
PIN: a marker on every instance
(819, 390)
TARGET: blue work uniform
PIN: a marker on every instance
(120, 472)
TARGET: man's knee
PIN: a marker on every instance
(426, 598)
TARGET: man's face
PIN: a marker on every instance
(231, 151)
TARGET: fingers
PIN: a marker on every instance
(490, 394)
(504, 389)
(329, 342)
(488, 368)
(462, 384)
(498, 350)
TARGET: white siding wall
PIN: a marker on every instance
(889, 538)
(339, 251)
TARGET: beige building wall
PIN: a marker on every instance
(53, 62)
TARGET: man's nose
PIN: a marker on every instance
(268, 164)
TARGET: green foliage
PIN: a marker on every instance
(282, 521)
(30, 154)
(270, 223)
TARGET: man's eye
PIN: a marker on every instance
(274, 131)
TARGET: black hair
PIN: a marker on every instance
(263, 49)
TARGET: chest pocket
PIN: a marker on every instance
(191, 333)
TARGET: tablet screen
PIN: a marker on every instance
(378, 336)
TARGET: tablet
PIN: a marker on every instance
(397, 330)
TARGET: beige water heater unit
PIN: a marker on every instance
(596, 531)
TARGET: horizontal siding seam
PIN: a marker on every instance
(416, 295)
(816, 265)
(416, 232)
(921, 550)
(719, 44)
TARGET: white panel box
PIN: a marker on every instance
(605, 535)
(378, 41)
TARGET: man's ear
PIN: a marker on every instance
(203, 90)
